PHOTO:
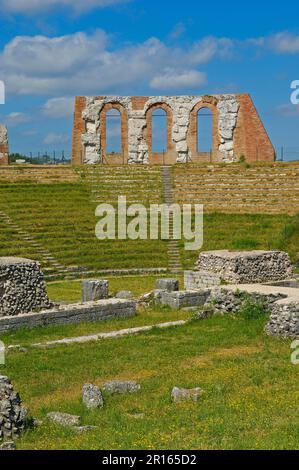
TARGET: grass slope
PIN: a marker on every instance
(250, 389)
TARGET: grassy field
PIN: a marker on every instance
(70, 291)
(60, 217)
(250, 398)
(247, 232)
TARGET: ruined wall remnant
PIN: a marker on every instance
(13, 414)
(236, 129)
(245, 266)
(3, 145)
(22, 287)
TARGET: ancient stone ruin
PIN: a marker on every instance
(22, 287)
(3, 145)
(238, 267)
(237, 129)
(12, 413)
(284, 319)
(24, 302)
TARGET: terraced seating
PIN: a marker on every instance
(258, 189)
(55, 221)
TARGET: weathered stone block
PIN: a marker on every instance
(92, 396)
(94, 289)
(12, 413)
(22, 286)
(124, 294)
(200, 279)
(284, 320)
(64, 419)
(167, 284)
(184, 298)
(185, 394)
(121, 386)
(246, 266)
(72, 313)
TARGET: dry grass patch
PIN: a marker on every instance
(220, 353)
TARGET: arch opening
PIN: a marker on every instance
(204, 130)
(159, 131)
(113, 131)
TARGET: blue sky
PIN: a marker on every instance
(51, 50)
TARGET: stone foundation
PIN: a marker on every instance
(72, 313)
(167, 284)
(284, 320)
(200, 279)
(241, 267)
(22, 286)
(183, 298)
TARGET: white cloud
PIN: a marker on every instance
(15, 118)
(53, 138)
(284, 43)
(288, 110)
(58, 107)
(83, 64)
(30, 7)
(172, 80)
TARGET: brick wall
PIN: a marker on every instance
(248, 135)
(251, 138)
(4, 151)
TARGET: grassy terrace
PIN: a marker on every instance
(61, 217)
(250, 386)
(247, 232)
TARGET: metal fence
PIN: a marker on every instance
(283, 153)
(41, 158)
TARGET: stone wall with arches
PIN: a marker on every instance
(3, 145)
(237, 129)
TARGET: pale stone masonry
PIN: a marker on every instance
(245, 266)
(200, 279)
(72, 313)
(236, 129)
(183, 298)
(94, 289)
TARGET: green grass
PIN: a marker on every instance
(61, 217)
(246, 232)
(250, 389)
(70, 291)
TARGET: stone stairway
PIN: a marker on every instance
(50, 265)
(173, 246)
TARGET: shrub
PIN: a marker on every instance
(253, 308)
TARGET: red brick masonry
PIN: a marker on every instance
(250, 139)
